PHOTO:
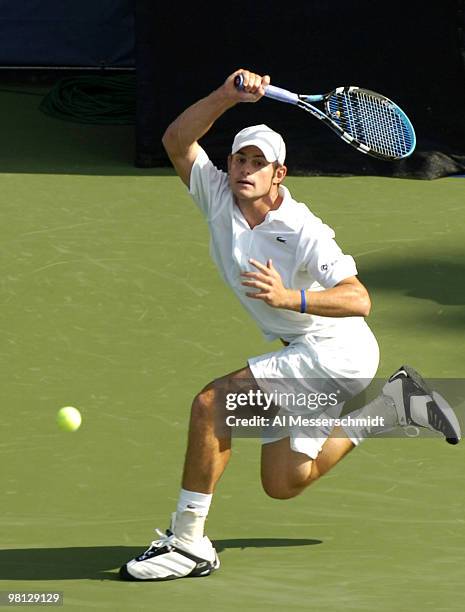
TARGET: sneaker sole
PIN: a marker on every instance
(125, 575)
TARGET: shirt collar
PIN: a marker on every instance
(280, 213)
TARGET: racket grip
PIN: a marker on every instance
(276, 93)
(281, 95)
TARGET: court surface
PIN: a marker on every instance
(110, 303)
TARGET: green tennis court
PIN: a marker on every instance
(110, 303)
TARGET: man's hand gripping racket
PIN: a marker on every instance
(367, 120)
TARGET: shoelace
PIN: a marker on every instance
(163, 540)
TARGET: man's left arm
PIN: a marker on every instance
(348, 298)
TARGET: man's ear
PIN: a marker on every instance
(229, 162)
(279, 174)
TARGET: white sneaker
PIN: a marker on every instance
(169, 558)
(417, 404)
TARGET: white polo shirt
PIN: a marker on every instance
(301, 246)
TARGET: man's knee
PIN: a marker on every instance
(208, 410)
(284, 472)
(204, 403)
(284, 487)
(277, 491)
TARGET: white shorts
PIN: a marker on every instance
(340, 367)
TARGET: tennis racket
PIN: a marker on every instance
(367, 120)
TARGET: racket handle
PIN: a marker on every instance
(276, 93)
(280, 94)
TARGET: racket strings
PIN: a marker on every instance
(381, 124)
(372, 121)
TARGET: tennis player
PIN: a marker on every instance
(285, 267)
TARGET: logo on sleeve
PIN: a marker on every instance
(280, 239)
(325, 266)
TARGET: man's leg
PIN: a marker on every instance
(208, 452)
(209, 444)
(285, 473)
(405, 400)
(184, 551)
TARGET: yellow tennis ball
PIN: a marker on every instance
(69, 418)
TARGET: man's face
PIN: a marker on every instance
(250, 174)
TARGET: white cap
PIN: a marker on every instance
(267, 140)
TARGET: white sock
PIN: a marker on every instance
(381, 407)
(191, 514)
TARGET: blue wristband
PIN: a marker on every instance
(303, 301)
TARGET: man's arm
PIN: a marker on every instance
(349, 298)
(181, 136)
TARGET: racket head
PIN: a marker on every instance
(371, 122)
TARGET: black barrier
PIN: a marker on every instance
(409, 51)
(461, 28)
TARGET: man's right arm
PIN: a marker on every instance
(181, 137)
